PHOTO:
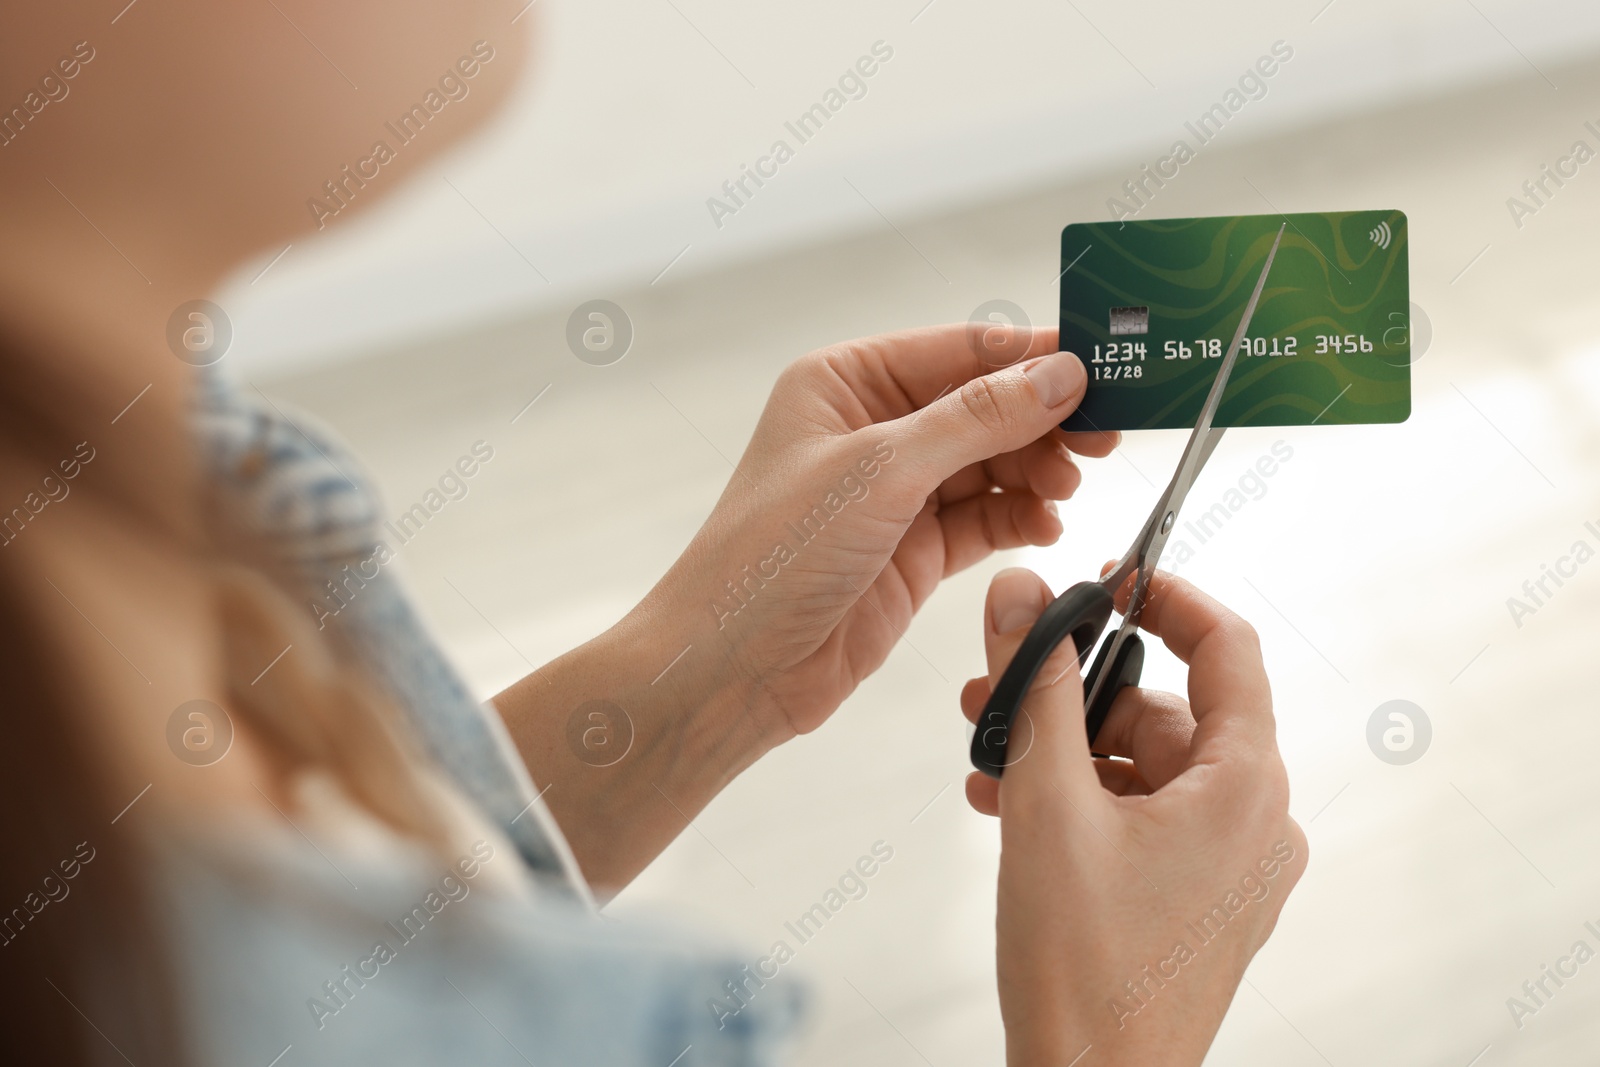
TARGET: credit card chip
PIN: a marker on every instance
(1130, 320)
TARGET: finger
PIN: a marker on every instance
(992, 414)
(983, 793)
(1044, 467)
(1048, 470)
(974, 695)
(1049, 729)
(983, 524)
(1016, 599)
(1098, 445)
(1151, 728)
(969, 481)
(895, 374)
(1229, 695)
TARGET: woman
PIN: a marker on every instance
(240, 828)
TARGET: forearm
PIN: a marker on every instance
(633, 733)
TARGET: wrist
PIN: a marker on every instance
(1055, 1027)
(1052, 1035)
(687, 675)
(706, 650)
(633, 733)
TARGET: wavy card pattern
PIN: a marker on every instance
(1330, 341)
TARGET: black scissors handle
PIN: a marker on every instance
(1082, 611)
(1125, 671)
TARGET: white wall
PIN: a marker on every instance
(600, 171)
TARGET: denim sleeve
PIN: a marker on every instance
(287, 488)
(276, 952)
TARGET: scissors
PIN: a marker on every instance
(1083, 610)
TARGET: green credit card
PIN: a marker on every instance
(1151, 306)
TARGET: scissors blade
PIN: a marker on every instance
(1146, 548)
(1203, 441)
(1194, 453)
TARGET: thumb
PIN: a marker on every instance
(993, 413)
(1047, 746)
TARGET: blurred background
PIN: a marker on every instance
(1379, 564)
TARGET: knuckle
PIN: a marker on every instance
(1296, 837)
(801, 369)
(1275, 795)
(1252, 793)
(1244, 632)
(1292, 868)
(985, 404)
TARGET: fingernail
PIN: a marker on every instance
(1055, 377)
(1013, 601)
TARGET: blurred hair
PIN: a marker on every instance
(105, 946)
(52, 797)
